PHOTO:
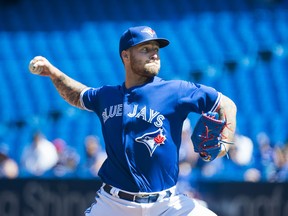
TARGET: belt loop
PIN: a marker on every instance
(161, 196)
(114, 191)
(134, 197)
(164, 195)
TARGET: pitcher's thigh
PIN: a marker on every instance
(106, 205)
(182, 205)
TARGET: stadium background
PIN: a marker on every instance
(237, 46)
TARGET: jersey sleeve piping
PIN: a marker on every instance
(81, 99)
(215, 106)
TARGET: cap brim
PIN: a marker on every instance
(162, 42)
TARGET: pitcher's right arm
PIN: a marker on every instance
(68, 88)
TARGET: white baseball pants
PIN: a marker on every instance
(176, 205)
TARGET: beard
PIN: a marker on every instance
(150, 68)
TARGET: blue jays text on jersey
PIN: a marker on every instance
(142, 129)
(116, 110)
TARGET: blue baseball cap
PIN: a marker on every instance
(139, 34)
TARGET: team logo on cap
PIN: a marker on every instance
(152, 140)
(149, 31)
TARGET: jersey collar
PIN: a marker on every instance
(152, 80)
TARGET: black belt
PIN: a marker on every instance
(147, 198)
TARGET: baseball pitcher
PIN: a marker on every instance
(142, 122)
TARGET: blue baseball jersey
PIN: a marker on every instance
(142, 129)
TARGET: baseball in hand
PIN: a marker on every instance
(35, 66)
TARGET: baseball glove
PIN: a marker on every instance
(206, 136)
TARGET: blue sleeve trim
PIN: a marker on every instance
(217, 102)
(81, 99)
